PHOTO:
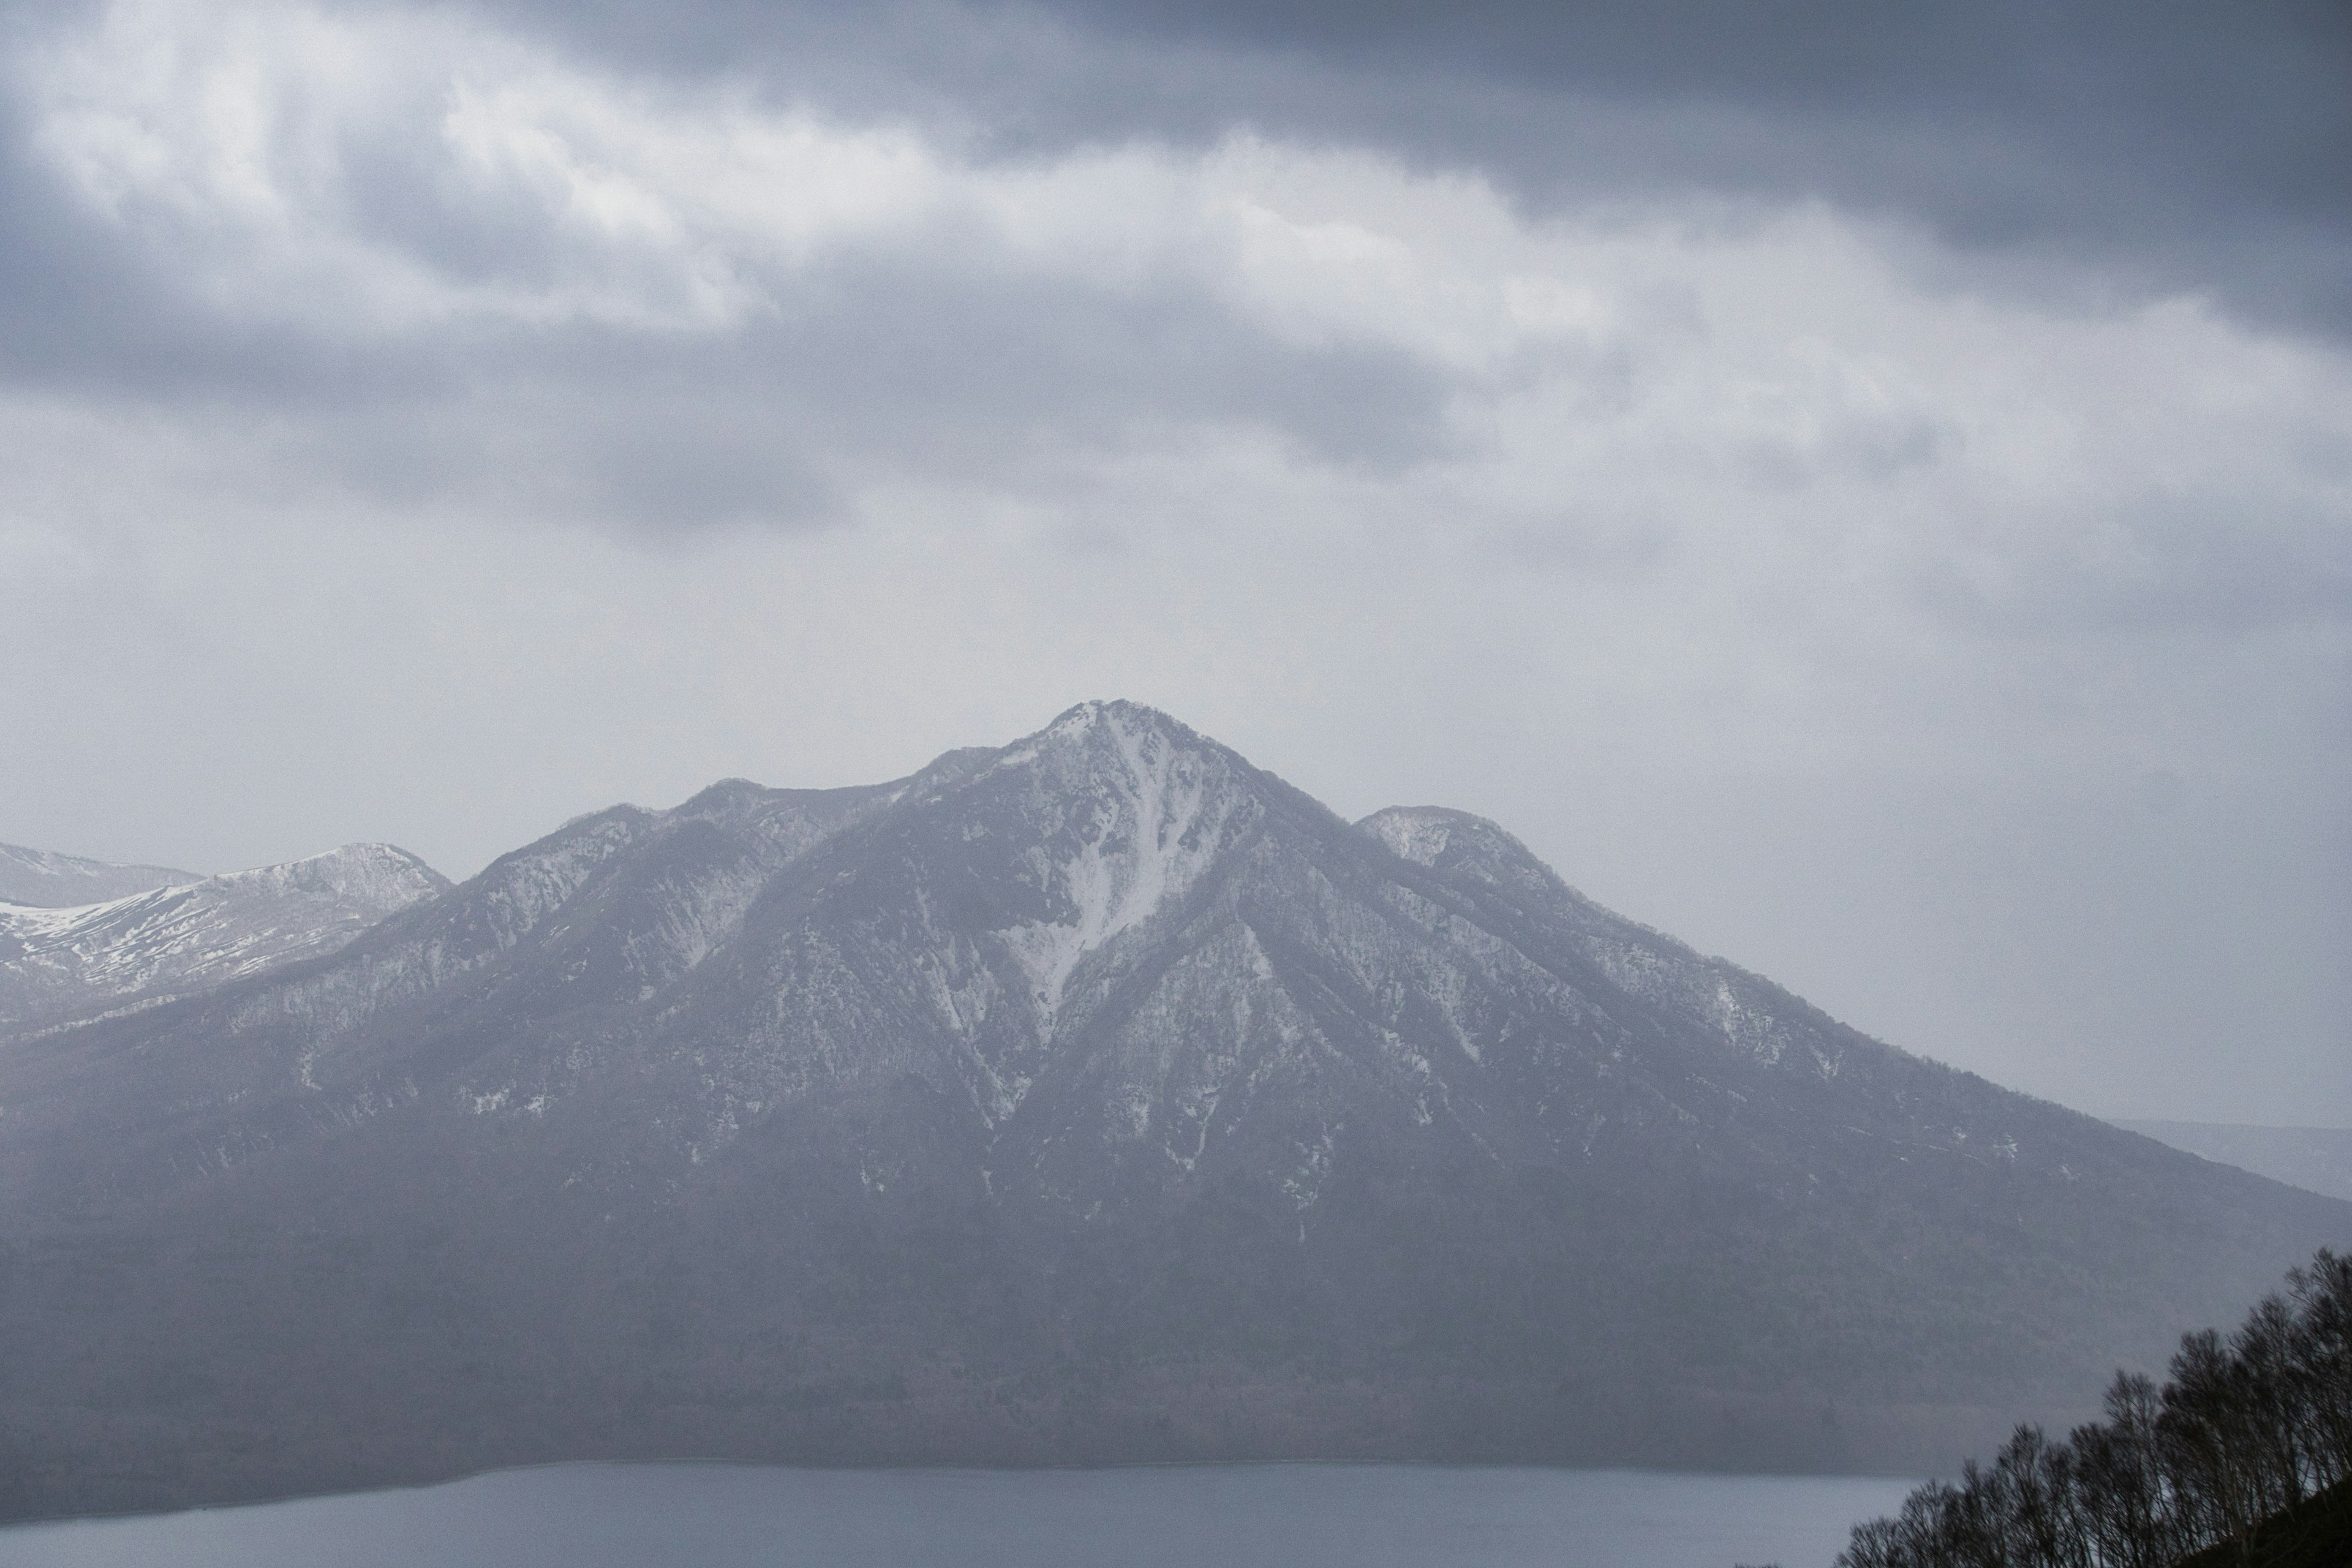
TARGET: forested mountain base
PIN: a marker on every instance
(2243, 1459)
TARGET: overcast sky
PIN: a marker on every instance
(1865, 488)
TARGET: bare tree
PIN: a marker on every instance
(2243, 1432)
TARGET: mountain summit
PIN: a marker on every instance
(1096, 1098)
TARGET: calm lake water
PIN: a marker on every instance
(1206, 1516)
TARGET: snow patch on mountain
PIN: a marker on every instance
(1147, 835)
(1745, 1013)
(1416, 834)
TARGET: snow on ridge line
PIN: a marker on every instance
(23, 920)
(371, 872)
(1414, 833)
(374, 878)
(180, 940)
(50, 862)
(37, 878)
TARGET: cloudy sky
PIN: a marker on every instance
(1865, 488)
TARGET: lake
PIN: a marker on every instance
(1197, 1516)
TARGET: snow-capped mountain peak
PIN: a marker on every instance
(1144, 808)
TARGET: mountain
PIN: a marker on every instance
(1097, 1098)
(2317, 1159)
(42, 881)
(151, 946)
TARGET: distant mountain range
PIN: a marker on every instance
(2317, 1159)
(149, 947)
(1096, 1098)
(42, 881)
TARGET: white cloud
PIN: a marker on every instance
(1758, 353)
(1751, 400)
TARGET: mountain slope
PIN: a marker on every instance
(1100, 1097)
(150, 946)
(39, 879)
(2317, 1159)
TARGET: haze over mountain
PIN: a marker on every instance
(2317, 1159)
(1097, 1098)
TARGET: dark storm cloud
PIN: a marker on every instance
(89, 310)
(2081, 147)
(2099, 150)
(926, 357)
(935, 375)
(2166, 146)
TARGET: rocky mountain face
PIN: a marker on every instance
(1099, 1098)
(39, 879)
(150, 947)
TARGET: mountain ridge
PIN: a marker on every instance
(2317, 1159)
(42, 879)
(1100, 1095)
(148, 947)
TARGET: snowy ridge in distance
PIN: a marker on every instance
(47, 881)
(172, 941)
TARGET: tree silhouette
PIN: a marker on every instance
(2243, 1456)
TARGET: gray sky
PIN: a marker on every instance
(1866, 489)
